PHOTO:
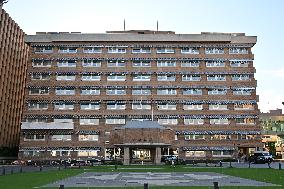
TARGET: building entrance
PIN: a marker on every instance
(141, 155)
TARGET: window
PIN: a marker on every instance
(166, 92)
(44, 49)
(189, 50)
(191, 77)
(88, 137)
(141, 77)
(29, 137)
(218, 107)
(238, 50)
(167, 106)
(116, 50)
(194, 137)
(62, 120)
(165, 50)
(219, 121)
(116, 92)
(190, 63)
(220, 137)
(239, 63)
(43, 91)
(245, 121)
(116, 77)
(62, 91)
(141, 106)
(65, 77)
(66, 63)
(214, 50)
(215, 63)
(242, 91)
(89, 106)
(37, 106)
(217, 91)
(89, 121)
(87, 153)
(240, 77)
(67, 50)
(193, 121)
(166, 77)
(243, 106)
(41, 63)
(195, 154)
(141, 91)
(32, 153)
(168, 121)
(90, 77)
(63, 106)
(60, 153)
(116, 63)
(92, 49)
(116, 106)
(91, 63)
(61, 137)
(223, 153)
(141, 63)
(90, 91)
(192, 92)
(112, 121)
(141, 50)
(193, 106)
(166, 63)
(42, 76)
(216, 78)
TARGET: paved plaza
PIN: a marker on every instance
(115, 179)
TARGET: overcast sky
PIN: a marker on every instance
(264, 19)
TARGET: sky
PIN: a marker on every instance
(261, 18)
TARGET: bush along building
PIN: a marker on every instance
(137, 95)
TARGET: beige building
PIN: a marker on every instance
(195, 91)
(13, 67)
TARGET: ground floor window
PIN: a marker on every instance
(32, 153)
(87, 153)
(195, 154)
(55, 153)
(222, 153)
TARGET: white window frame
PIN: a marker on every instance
(238, 50)
(192, 91)
(62, 91)
(189, 50)
(141, 91)
(37, 106)
(218, 107)
(89, 63)
(116, 92)
(142, 77)
(214, 121)
(166, 92)
(214, 50)
(141, 63)
(90, 106)
(166, 63)
(217, 91)
(167, 121)
(166, 77)
(121, 50)
(190, 63)
(165, 50)
(91, 91)
(40, 77)
(66, 64)
(116, 63)
(141, 106)
(141, 50)
(63, 106)
(116, 77)
(41, 63)
(67, 49)
(43, 91)
(193, 107)
(166, 106)
(193, 121)
(43, 49)
(65, 77)
(113, 121)
(91, 49)
(83, 137)
(116, 106)
(89, 121)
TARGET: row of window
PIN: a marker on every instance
(219, 137)
(135, 106)
(62, 91)
(142, 50)
(140, 77)
(138, 63)
(60, 138)
(222, 153)
(166, 121)
(61, 153)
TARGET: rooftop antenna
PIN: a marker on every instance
(124, 24)
(157, 25)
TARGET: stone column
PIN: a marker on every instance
(158, 155)
(126, 157)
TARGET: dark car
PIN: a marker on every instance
(261, 157)
(168, 158)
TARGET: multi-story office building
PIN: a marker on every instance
(87, 95)
(13, 67)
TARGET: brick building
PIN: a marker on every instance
(87, 94)
(13, 67)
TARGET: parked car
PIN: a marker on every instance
(167, 158)
(261, 157)
(18, 162)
